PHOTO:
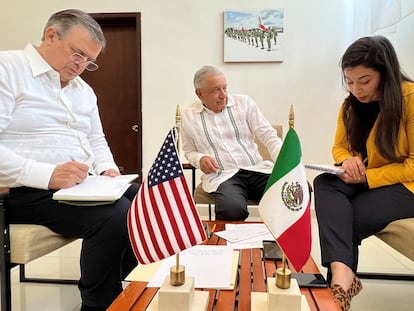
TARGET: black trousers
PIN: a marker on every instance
(106, 255)
(348, 213)
(231, 196)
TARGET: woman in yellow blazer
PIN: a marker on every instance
(374, 144)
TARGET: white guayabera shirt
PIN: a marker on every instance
(228, 136)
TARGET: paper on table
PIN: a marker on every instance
(250, 242)
(242, 232)
(198, 262)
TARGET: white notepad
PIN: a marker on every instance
(96, 189)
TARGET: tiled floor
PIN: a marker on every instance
(378, 295)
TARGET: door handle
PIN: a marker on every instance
(135, 128)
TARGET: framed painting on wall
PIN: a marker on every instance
(253, 35)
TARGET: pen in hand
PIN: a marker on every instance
(90, 171)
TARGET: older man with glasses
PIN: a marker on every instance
(48, 117)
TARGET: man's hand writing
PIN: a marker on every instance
(68, 174)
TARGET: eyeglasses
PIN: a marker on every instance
(80, 59)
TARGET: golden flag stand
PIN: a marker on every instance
(283, 274)
(177, 272)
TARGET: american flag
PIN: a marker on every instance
(163, 219)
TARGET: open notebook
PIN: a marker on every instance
(95, 190)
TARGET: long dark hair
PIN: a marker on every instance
(377, 53)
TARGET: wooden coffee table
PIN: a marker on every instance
(252, 275)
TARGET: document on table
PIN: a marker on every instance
(247, 235)
(212, 266)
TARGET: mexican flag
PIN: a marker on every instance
(285, 206)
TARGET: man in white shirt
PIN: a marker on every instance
(50, 138)
(218, 137)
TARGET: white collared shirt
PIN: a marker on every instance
(228, 136)
(43, 124)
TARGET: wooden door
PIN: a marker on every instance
(117, 84)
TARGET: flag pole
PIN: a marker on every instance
(178, 127)
(291, 117)
(283, 275)
(177, 272)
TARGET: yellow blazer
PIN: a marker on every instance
(381, 172)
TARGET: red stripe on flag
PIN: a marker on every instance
(296, 241)
(157, 207)
(171, 217)
(131, 225)
(144, 227)
(142, 212)
(183, 214)
(196, 217)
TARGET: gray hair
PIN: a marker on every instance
(64, 20)
(202, 72)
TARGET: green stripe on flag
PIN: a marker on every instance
(289, 157)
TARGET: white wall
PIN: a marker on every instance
(178, 37)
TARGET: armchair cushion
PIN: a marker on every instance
(28, 242)
(400, 235)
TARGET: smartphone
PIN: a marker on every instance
(271, 250)
(310, 279)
